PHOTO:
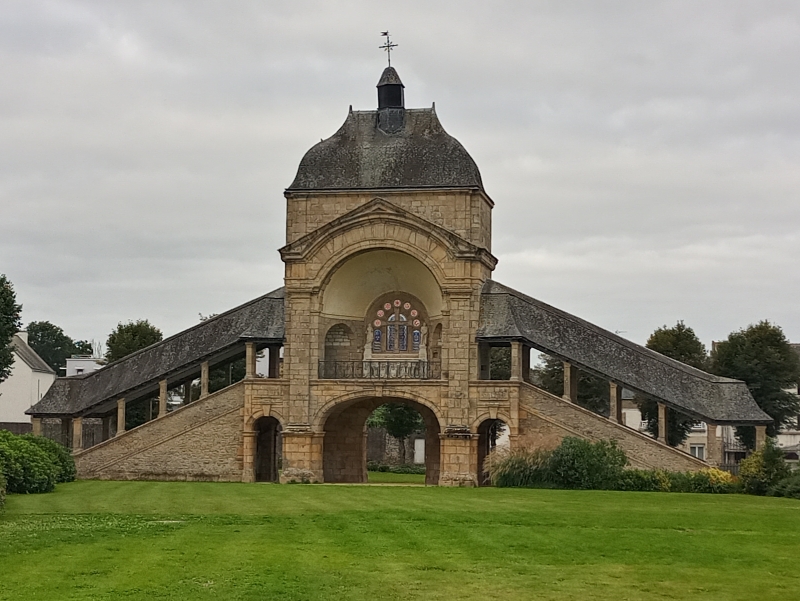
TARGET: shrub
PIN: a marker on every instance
(644, 481)
(712, 480)
(763, 469)
(2, 488)
(59, 454)
(520, 467)
(26, 467)
(578, 463)
(374, 466)
(788, 487)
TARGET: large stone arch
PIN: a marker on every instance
(343, 401)
(344, 451)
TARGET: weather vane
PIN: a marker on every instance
(388, 46)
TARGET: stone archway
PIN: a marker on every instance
(488, 432)
(268, 449)
(344, 457)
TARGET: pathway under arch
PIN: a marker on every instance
(344, 457)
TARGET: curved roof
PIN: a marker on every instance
(362, 155)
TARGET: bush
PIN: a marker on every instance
(578, 463)
(26, 467)
(518, 468)
(374, 466)
(712, 480)
(2, 488)
(644, 481)
(59, 454)
(788, 487)
(763, 469)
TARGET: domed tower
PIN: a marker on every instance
(388, 246)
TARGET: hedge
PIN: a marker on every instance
(578, 463)
(58, 453)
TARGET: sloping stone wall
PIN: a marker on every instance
(201, 441)
(546, 419)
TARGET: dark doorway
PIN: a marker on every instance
(489, 433)
(268, 449)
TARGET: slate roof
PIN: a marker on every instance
(29, 356)
(510, 315)
(261, 319)
(362, 156)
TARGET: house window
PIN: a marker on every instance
(699, 427)
(698, 450)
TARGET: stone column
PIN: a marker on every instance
(570, 382)
(77, 434)
(302, 456)
(274, 361)
(761, 437)
(516, 361)
(204, 379)
(120, 416)
(249, 359)
(662, 423)
(459, 460)
(36, 425)
(615, 400)
(162, 398)
(713, 445)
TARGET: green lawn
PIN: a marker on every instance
(390, 478)
(158, 540)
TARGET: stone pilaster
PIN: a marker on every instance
(516, 361)
(662, 423)
(120, 416)
(761, 437)
(459, 460)
(615, 406)
(302, 457)
(77, 434)
(162, 398)
(570, 382)
(713, 445)
(249, 359)
(204, 369)
(36, 426)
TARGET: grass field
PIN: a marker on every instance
(390, 478)
(158, 540)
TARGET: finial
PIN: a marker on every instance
(388, 46)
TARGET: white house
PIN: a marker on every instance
(82, 364)
(30, 378)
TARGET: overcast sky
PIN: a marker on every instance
(644, 157)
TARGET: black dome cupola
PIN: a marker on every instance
(390, 90)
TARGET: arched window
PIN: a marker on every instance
(398, 326)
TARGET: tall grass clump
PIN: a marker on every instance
(518, 468)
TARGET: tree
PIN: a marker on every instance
(131, 337)
(400, 422)
(10, 324)
(53, 345)
(680, 343)
(762, 357)
(593, 392)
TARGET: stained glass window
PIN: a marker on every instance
(393, 323)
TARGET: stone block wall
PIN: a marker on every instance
(201, 441)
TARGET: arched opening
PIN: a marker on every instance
(268, 449)
(492, 433)
(345, 444)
